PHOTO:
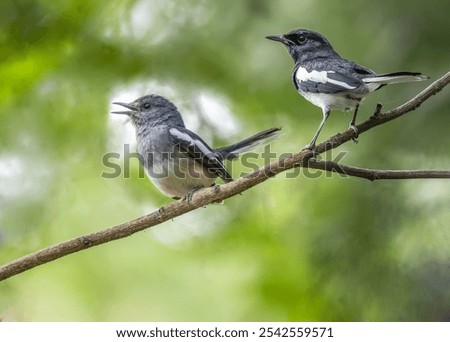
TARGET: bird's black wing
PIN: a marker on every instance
(328, 77)
(197, 149)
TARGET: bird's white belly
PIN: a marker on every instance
(330, 101)
(180, 178)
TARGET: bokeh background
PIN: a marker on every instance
(313, 246)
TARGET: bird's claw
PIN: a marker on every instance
(310, 146)
(355, 131)
(188, 196)
(216, 188)
(160, 214)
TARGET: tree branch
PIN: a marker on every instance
(213, 194)
(374, 175)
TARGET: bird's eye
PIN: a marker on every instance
(147, 106)
(301, 39)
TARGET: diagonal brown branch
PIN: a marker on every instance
(213, 194)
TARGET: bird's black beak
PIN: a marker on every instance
(132, 108)
(279, 38)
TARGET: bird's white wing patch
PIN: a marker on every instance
(190, 140)
(302, 75)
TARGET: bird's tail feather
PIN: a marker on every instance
(232, 152)
(396, 77)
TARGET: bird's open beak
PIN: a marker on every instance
(279, 38)
(132, 108)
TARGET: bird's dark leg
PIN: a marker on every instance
(326, 114)
(355, 113)
(188, 196)
(352, 124)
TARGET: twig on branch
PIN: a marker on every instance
(213, 194)
(374, 175)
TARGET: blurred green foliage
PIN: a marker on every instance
(311, 247)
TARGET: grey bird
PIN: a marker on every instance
(329, 81)
(177, 161)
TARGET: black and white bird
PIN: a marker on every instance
(329, 81)
(177, 161)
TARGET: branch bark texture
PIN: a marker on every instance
(214, 194)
